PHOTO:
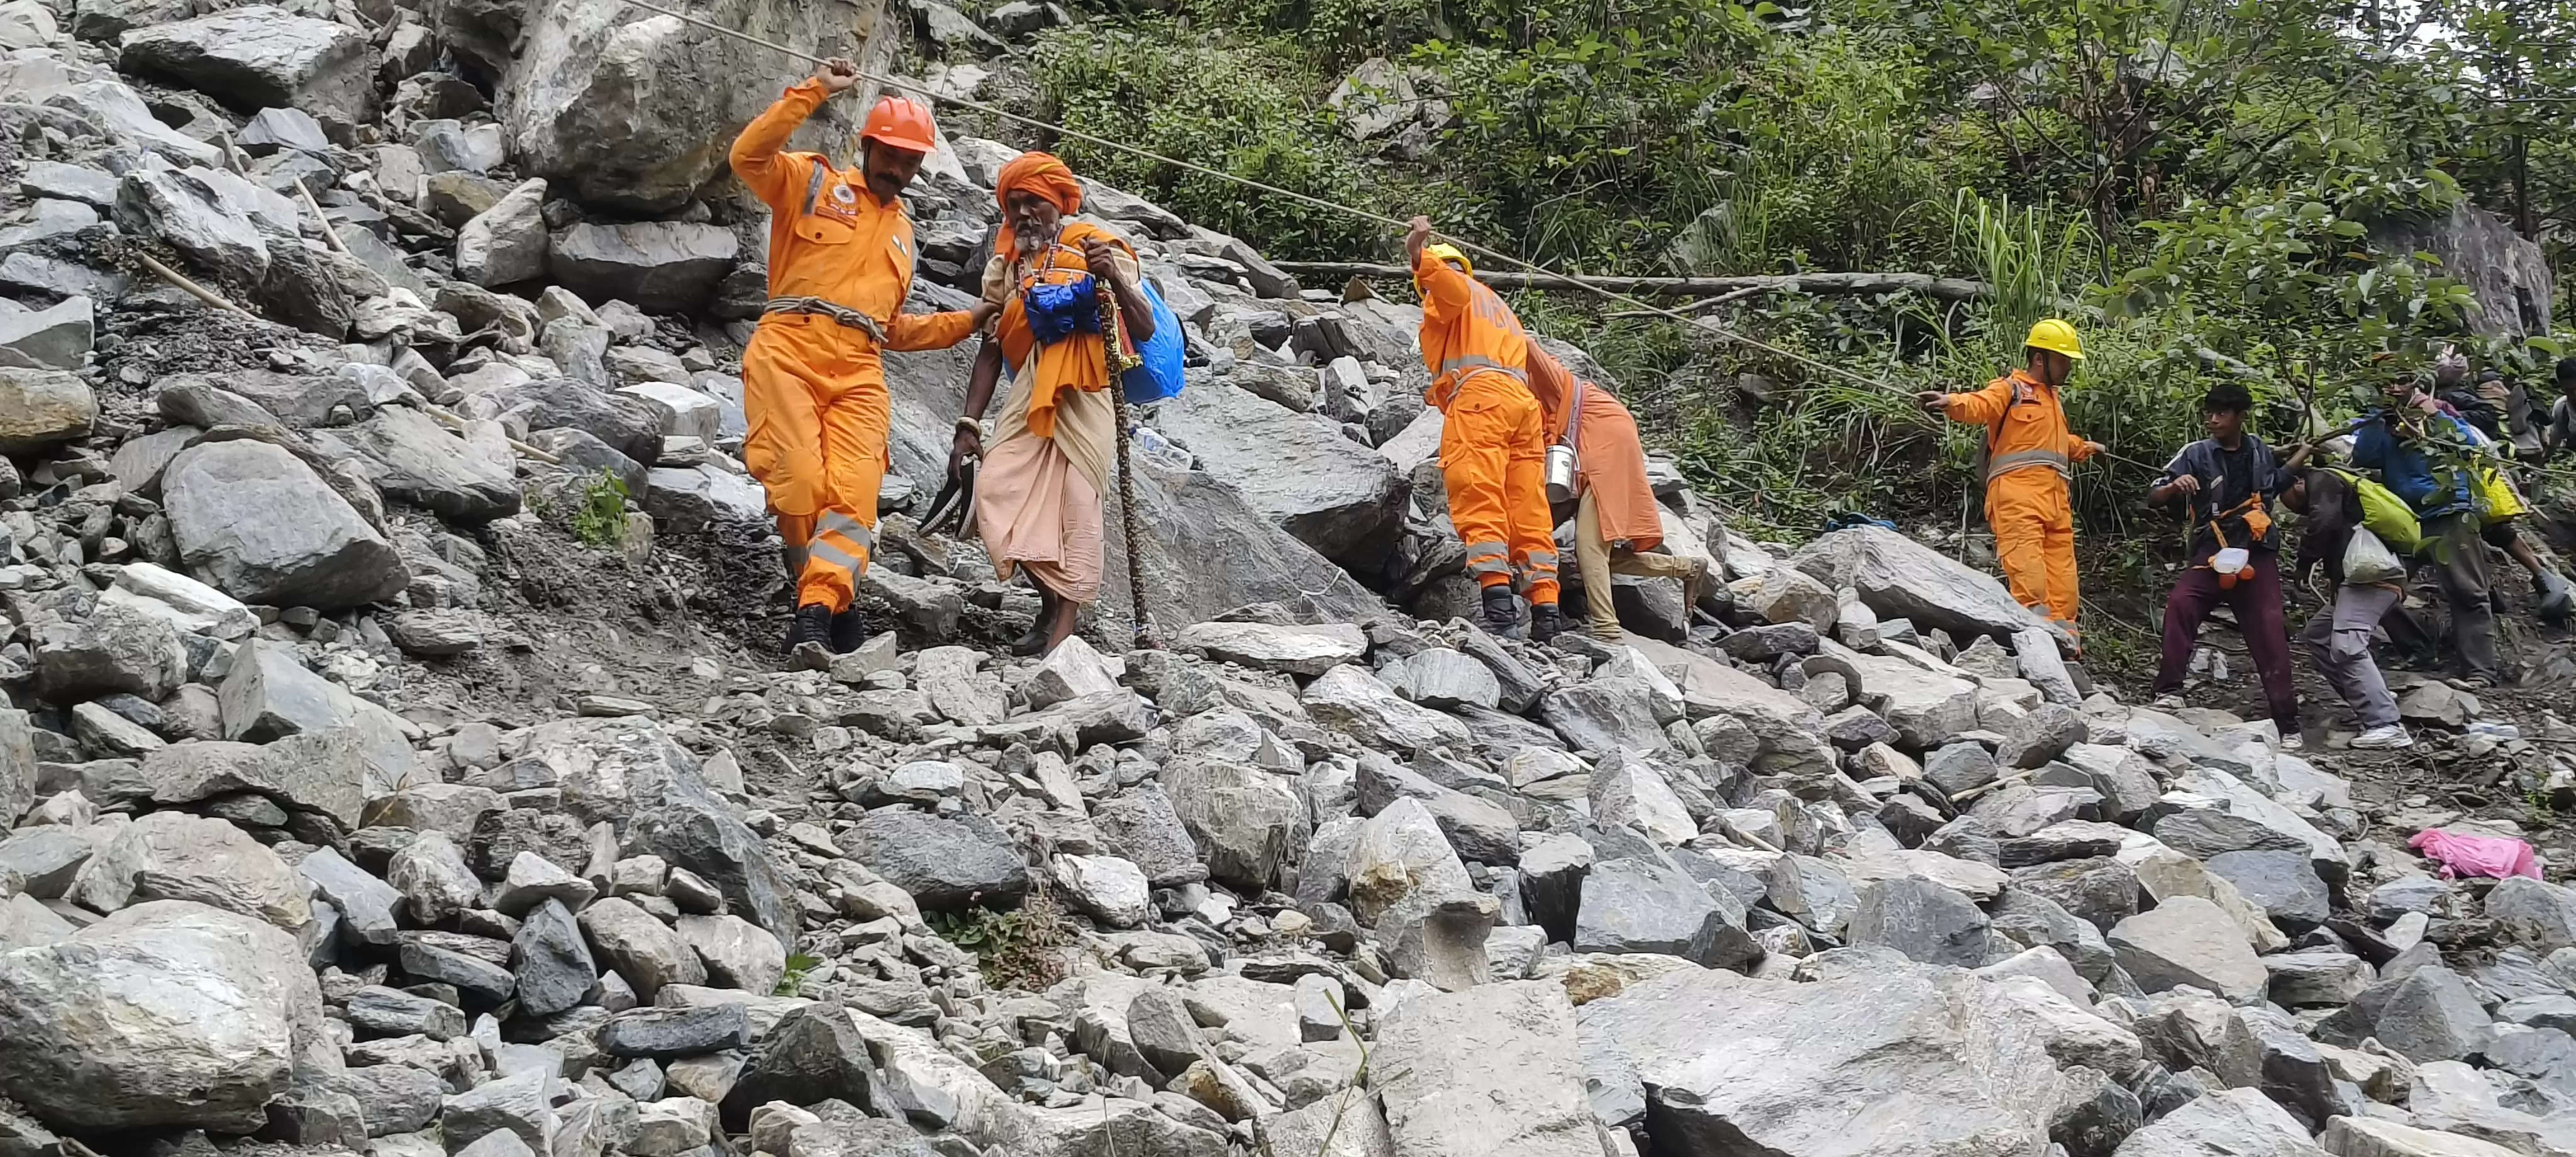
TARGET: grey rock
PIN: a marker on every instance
(1492, 1069)
(514, 1105)
(2188, 940)
(944, 863)
(2316, 978)
(505, 243)
(1443, 679)
(1837, 1047)
(1142, 827)
(474, 974)
(1349, 700)
(1638, 906)
(57, 337)
(2228, 1123)
(188, 209)
(1899, 577)
(2430, 1014)
(1243, 820)
(257, 524)
(432, 875)
(412, 458)
(669, 1033)
(2539, 914)
(44, 860)
(176, 856)
(2283, 883)
(168, 1014)
(117, 648)
(641, 948)
(2101, 891)
(1925, 921)
(550, 960)
(391, 1012)
(1333, 494)
(260, 56)
(737, 953)
(2042, 736)
(659, 266)
(814, 1054)
(2202, 833)
(392, 1098)
(695, 833)
(1440, 939)
(1160, 1025)
(1960, 767)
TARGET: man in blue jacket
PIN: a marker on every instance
(2418, 451)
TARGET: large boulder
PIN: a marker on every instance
(661, 266)
(411, 457)
(1491, 1070)
(177, 856)
(507, 242)
(1208, 550)
(260, 57)
(1335, 495)
(255, 522)
(943, 862)
(187, 209)
(2508, 272)
(41, 408)
(165, 1015)
(1244, 820)
(1879, 1058)
(633, 110)
(1899, 577)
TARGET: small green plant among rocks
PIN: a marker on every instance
(1021, 948)
(600, 519)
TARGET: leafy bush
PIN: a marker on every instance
(1022, 948)
(600, 519)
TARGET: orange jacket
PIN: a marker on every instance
(2025, 426)
(829, 237)
(1465, 330)
(1611, 459)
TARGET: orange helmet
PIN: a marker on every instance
(899, 121)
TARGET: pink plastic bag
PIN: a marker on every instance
(2466, 855)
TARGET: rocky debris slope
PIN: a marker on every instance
(296, 847)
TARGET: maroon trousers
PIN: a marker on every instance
(2256, 599)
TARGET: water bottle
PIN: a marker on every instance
(2495, 729)
(1159, 450)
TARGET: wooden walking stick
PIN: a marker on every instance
(1117, 361)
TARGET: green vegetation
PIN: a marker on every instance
(2196, 183)
(600, 518)
(799, 965)
(1023, 948)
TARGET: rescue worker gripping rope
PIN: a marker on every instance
(814, 388)
(2029, 458)
(1493, 445)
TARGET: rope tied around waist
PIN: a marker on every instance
(818, 307)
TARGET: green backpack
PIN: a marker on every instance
(2386, 515)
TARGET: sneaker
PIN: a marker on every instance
(2391, 737)
(2168, 703)
(809, 637)
(1502, 612)
(2294, 741)
(1546, 622)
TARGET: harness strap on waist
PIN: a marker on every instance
(818, 307)
(2003, 464)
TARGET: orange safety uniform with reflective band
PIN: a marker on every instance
(1493, 445)
(2028, 460)
(813, 389)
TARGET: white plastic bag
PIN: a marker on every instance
(2366, 560)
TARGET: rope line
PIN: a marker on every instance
(1883, 385)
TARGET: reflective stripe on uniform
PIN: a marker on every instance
(1463, 363)
(1484, 558)
(825, 549)
(1542, 560)
(813, 188)
(2027, 459)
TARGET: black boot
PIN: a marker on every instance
(1502, 611)
(1546, 622)
(849, 629)
(809, 637)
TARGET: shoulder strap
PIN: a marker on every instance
(814, 185)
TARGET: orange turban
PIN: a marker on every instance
(1039, 173)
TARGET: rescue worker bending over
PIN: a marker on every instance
(814, 390)
(1493, 445)
(2029, 457)
(1617, 523)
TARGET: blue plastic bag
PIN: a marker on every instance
(1059, 309)
(1158, 375)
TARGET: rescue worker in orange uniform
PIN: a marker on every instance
(2029, 458)
(1493, 443)
(1617, 522)
(814, 389)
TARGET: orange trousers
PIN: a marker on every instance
(814, 399)
(2034, 529)
(1493, 459)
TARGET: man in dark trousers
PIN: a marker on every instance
(2224, 485)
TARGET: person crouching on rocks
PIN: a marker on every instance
(814, 389)
(1038, 493)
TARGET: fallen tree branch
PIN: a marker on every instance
(1937, 288)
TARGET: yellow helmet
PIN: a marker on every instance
(2056, 337)
(1447, 252)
